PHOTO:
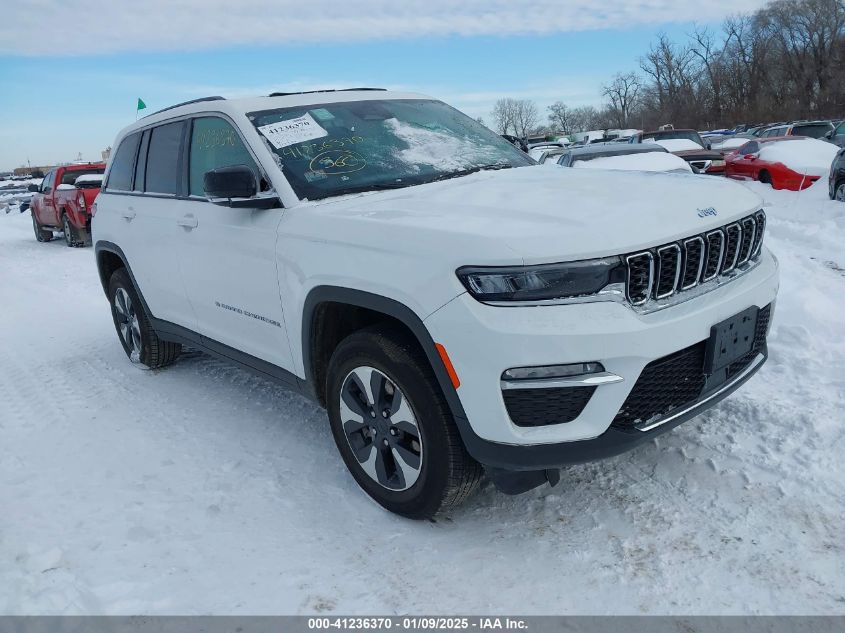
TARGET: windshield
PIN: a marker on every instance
(813, 130)
(71, 175)
(688, 135)
(335, 148)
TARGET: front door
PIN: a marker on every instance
(227, 255)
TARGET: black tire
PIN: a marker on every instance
(139, 340)
(41, 235)
(765, 178)
(72, 239)
(447, 475)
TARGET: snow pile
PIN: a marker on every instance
(807, 156)
(652, 161)
(675, 144)
(442, 150)
(202, 489)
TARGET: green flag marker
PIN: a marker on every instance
(141, 104)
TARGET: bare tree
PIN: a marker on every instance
(560, 117)
(526, 117)
(623, 92)
(503, 116)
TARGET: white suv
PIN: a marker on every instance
(455, 307)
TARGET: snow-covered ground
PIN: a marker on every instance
(202, 489)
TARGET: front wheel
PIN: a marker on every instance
(393, 427)
(139, 340)
(41, 235)
(840, 193)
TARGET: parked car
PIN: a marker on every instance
(64, 200)
(836, 178)
(538, 151)
(613, 156)
(807, 129)
(837, 135)
(451, 309)
(689, 145)
(786, 162)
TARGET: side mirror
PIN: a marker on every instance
(235, 187)
(750, 157)
(708, 145)
(32, 188)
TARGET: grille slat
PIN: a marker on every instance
(669, 269)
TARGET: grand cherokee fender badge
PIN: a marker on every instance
(709, 211)
(247, 313)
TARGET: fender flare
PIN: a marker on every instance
(394, 309)
(103, 246)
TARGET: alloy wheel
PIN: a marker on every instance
(128, 324)
(381, 428)
(840, 193)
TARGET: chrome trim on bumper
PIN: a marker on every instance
(647, 426)
(584, 380)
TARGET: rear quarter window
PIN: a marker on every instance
(123, 163)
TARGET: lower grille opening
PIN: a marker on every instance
(542, 407)
(678, 379)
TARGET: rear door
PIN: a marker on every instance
(228, 255)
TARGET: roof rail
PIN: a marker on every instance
(308, 92)
(186, 103)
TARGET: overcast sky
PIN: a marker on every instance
(71, 71)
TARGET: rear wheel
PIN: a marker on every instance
(840, 193)
(41, 235)
(140, 342)
(393, 427)
(765, 177)
(71, 236)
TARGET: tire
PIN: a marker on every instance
(840, 192)
(139, 340)
(71, 236)
(765, 178)
(413, 409)
(41, 235)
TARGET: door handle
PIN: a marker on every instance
(129, 214)
(188, 221)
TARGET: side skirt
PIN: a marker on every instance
(168, 331)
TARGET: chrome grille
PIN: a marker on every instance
(666, 270)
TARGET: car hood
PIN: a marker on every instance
(535, 214)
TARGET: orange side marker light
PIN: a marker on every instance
(450, 369)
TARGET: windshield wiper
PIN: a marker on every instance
(471, 170)
(373, 186)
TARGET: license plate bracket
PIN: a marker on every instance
(730, 340)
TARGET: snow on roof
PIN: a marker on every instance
(89, 178)
(651, 161)
(675, 144)
(806, 156)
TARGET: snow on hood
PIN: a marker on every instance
(652, 161)
(533, 214)
(730, 143)
(806, 156)
(675, 144)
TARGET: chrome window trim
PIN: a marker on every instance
(660, 252)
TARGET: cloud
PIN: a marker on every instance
(89, 27)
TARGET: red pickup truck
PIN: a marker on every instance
(63, 202)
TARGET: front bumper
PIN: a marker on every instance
(483, 341)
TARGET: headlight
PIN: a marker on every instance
(544, 282)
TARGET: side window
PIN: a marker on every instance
(47, 184)
(163, 158)
(750, 148)
(120, 173)
(215, 143)
(840, 129)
